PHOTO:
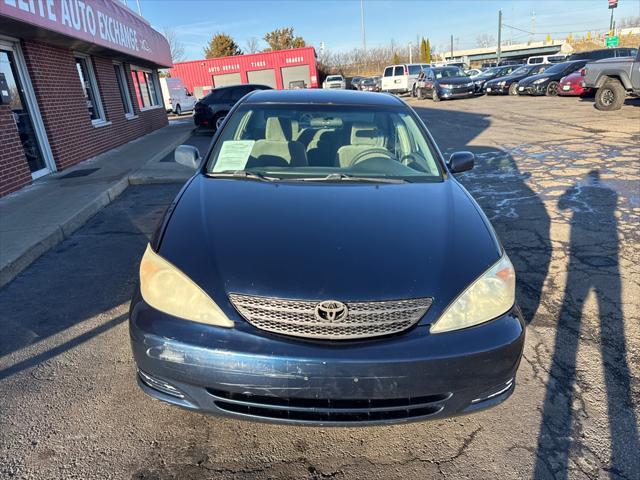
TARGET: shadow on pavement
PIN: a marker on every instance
(516, 212)
(593, 266)
(85, 276)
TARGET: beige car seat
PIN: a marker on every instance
(277, 149)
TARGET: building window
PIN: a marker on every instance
(146, 86)
(90, 88)
(124, 89)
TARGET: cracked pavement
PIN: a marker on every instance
(559, 180)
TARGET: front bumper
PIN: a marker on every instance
(573, 90)
(496, 89)
(447, 93)
(532, 89)
(245, 372)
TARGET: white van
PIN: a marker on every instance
(402, 78)
(546, 59)
(177, 98)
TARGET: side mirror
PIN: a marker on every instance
(187, 155)
(460, 161)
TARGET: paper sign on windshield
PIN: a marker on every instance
(233, 155)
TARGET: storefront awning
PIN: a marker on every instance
(97, 26)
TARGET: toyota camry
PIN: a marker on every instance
(324, 266)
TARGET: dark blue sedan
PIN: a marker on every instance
(324, 266)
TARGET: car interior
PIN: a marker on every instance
(386, 143)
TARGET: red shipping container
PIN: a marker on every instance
(282, 69)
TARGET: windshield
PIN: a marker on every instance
(488, 73)
(557, 68)
(334, 78)
(316, 141)
(521, 71)
(450, 72)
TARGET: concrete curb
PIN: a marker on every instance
(79, 218)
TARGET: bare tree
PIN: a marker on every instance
(629, 22)
(253, 45)
(175, 46)
(485, 40)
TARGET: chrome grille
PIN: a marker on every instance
(297, 317)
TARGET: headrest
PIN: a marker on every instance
(365, 134)
(278, 129)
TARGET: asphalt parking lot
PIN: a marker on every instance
(561, 183)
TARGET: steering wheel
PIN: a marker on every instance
(372, 152)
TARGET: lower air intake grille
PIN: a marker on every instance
(299, 318)
(329, 410)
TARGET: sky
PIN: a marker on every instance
(337, 22)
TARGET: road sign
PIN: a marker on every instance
(613, 3)
(611, 41)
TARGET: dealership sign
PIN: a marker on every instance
(102, 22)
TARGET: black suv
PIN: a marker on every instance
(594, 55)
(211, 109)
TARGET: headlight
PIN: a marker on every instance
(167, 289)
(502, 84)
(540, 80)
(489, 296)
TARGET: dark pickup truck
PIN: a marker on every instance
(613, 79)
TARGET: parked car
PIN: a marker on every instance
(540, 59)
(211, 110)
(334, 81)
(271, 292)
(472, 72)
(444, 83)
(369, 85)
(509, 83)
(355, 83)
(546, 83)
(402, 78)
(601, 54)
(177, 99)
(613, 78)
(479, 81)
(570, 86)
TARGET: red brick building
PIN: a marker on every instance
(77, 78)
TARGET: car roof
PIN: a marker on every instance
(224, 87)
(322, 96)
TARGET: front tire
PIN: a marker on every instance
(419, 94)
(434, 95)
(552, 89)
(513, 89)
(610, 96)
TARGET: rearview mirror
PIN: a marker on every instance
(187, 155)
(461, 162)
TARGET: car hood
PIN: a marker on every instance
(321, 241)
(507, 78)
(529, 80)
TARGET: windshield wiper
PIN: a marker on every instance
(243, 174)
(339, 177)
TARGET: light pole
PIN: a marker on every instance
(364, 40)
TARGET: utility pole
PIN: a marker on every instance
(410, 53)
(364, 40)
(498, 50)
(533, 26)
(139, 10)
(451, 47)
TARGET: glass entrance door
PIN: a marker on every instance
(22, 115)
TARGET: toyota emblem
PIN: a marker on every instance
(331, 311)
